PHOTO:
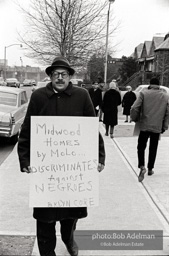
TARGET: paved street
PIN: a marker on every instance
(125, 204)
(5, 149)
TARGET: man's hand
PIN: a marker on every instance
(100, 167)
(27, 169)
(163, 130)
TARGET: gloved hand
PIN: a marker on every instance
(100, 167)
(27, 169)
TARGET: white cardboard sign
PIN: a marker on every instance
(64, 160)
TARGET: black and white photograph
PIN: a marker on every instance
(84, 127)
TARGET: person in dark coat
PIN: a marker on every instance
(96, 96)
(58, 98)
(128, 100)
(111, 101)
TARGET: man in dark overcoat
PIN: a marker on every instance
(128, 100)
(96, 96)
(111, 101)
(58, 98)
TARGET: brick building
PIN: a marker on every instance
(113, 67)
(161, 62)
(153, 60)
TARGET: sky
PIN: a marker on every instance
(140, 20)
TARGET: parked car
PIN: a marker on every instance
(42, 83)
(77, 81)
(33, 82)
(46, 79)
(2, 82)
(145, 86)
(13, 82)
(13, 106)
(29, 82)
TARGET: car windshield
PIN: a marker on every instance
(138, 89)
(7, 98)
(163, 89)
(11, 79)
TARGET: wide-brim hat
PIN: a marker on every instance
(60, 62)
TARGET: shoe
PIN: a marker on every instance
(126, 121)
(150, 172)
(141, 175)
(72, 248)
(106, 134)
(111, 136)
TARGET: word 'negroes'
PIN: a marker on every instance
(69, 187)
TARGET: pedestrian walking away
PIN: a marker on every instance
(58, 98)
(128, 100)
(151, 112)
(111, 101)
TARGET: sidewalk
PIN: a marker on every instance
(157, 186)
(125, 204)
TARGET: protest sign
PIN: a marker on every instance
(64, 160)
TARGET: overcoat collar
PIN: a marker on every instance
(154, 86)
(50, 91)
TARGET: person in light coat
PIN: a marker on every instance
(151, 110)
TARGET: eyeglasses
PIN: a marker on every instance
(57, 74)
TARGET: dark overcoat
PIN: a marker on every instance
(96, 96)
(128, 100)
(74, 101)
(111, 101)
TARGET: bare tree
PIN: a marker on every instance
(71, 28)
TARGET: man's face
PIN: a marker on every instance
(128, 89)
(60, 79)
(101, 86)
(95, 85)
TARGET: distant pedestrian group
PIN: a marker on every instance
(149, 110)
